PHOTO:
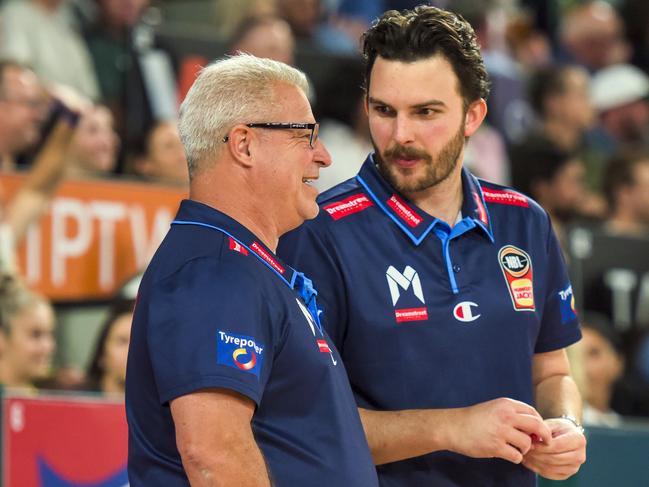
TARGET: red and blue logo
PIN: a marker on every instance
(50, 478)
(567, 305)
(239, 351)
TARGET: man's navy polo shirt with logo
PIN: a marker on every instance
(428, 316)
(217, 309)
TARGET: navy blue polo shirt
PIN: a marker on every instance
(216, 308)
(429, 316)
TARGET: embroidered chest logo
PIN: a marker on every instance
(516, 265)
(463, 312)
(405, 281)
(322, 344)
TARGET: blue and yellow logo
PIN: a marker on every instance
(240, 351)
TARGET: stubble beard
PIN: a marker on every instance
(436, 170)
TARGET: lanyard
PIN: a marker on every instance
(299, 282)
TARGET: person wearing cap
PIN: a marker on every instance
(231, 379)
(447, 295)
(619, 94)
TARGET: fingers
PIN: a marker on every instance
(519, 440)
(533, 425)
(562, 443)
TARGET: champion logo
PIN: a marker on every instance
(237, 247)
(411, 314)
(348, 206)
(463, 312)
(505, 197)
(259, 250)
(404, 211)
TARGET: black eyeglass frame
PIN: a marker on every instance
(314, 127)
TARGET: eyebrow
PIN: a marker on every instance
(439, 103)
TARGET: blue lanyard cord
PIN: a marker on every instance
(299, 282)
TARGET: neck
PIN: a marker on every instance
(236, 198)
(566, 136)
(624, 224)
(112, 385)
(9, 377)
(444, 200)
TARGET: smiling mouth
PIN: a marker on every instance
(308, 181)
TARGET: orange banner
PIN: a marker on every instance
(95, 235)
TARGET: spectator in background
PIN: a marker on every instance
(592, 35)
(603, 363)
(619, 94)
(553, 177)
(626, 187)
(44, 34)
(107, 370)
(264, 37)
(229, 14)
(26, 334)
(93, 152)
(161, 158)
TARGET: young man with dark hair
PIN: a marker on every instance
(447, 296)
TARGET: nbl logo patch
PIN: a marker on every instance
(239, 351)
(516, 265)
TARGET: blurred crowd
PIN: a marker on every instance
(88, 90)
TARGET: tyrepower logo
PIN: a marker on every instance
(239, 351)
(567, 305)
(404, 211)
(405, 281)
(348, 206)
(516, 265)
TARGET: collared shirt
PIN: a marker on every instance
(217, 309)
(431, 316)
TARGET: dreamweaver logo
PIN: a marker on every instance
(240, 351)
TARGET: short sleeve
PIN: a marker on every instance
(559, 324)
(210, 325)
(306, 250)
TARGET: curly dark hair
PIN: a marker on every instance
(423, 32)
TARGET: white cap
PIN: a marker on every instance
(618, 85)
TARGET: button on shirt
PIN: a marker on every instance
(431, 316)
(217, 309)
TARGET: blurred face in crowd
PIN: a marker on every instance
(628, 123)
(123, 13)
(573, 105)
(95, 144)
(638, 192)
(417, 121)
(302, 15)
(567, 189)
(27, 347)
(23, 108)
(602, 364)
(113, 361)
(272, 39)
(165, 160)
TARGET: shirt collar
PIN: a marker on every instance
(240, 238)
(412, 220)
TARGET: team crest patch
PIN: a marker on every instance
(516, 265)
(239, 351)
(567, 305)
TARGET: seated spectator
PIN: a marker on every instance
(44, 35)
(229, 14)
(592, 35)
(162, 156)
(26, 334)
(603, 364)
(619, 94)
(107, 370)
(265, 37)
(93, 151)
(554, 178)
(626, 187)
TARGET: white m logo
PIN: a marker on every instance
(398, 280)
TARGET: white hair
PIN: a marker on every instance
(230, 91)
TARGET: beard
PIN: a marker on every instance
(436, 169)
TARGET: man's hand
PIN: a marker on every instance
(501, 428)
(562, 457)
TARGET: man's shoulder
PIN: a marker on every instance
(504, 200)
(342, 201)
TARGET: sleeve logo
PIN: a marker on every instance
(516, 265)
(567, 305)
(239, 351)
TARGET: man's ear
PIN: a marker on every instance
(241, 143)
(475, 114)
